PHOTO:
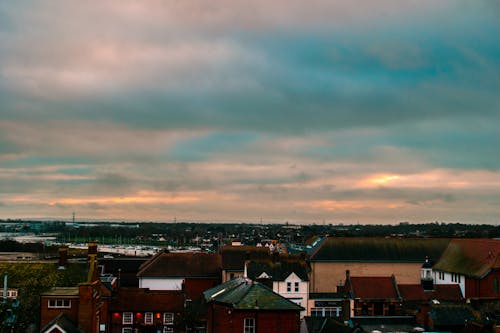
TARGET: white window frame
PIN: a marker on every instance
(127, 318)
(296, 287)
(288, 287)
(249, 325)
(148, 318)
(326, 312)
(168, 318)
(59, 304)
(127, 330)
(168, 329)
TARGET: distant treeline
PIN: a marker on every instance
(10, 245)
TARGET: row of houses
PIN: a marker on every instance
(432, 283)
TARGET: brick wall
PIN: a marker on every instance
(225, 319)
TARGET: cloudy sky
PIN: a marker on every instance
(227, 110)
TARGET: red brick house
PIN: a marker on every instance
(86, 306)
(191, 272)
(473, 264)
(240, 305)
(141, 310)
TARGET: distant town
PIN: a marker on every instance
(118, 277)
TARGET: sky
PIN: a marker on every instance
(320, 111)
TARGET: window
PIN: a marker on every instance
(249, 325)
(495, 285)
(127, 330)
(167, 329)
(326, 312)
(455, 278)
(296, 287)
(128, 318)
(59, 303)
(168, 318)
(441, 275)
(288, 287)
(148, 318)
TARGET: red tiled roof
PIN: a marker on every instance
(373, 287)
(444, 292)
(141, 299)
(192, 264)
(471, 257)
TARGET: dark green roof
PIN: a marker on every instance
(344, 249)
(279, 270)
(451, 315)
(243, 294)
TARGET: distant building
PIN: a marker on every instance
(12, 293)
(366, 257)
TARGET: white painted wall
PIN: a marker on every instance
(301, 297)
(161, 283)
(447, 279)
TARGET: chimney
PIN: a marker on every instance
(92, 249)
(63, 257)
(93, 274)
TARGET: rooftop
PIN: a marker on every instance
(243, 294)
(188, 264)
(62, 321)
(376, 249)
(234, 257)
(373, 287)
(471, 257)
(452, 315)
(441, 292)
(278, 269)
(62, 291)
